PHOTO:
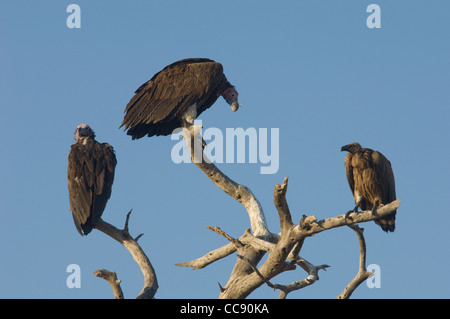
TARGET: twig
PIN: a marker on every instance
(127, 219)
(219, 231)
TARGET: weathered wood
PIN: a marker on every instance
(124, 237)
(246, 276)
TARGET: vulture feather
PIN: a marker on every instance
(370, 176)
(176, 96)
(90, 174)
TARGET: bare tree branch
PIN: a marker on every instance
(276, 261)
(312, 227)
(219, 231)
(258, 243)
(282, 206)
(246, 276)
(287, 245)
(210, 257)
(124, 237)
(111, 278)
(313, 276)
(239, 192)
(285, 289)
(362, 274)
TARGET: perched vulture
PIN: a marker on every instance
(91, 175)
(175, 96)
(370, 176)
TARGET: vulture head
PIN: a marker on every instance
(83, 131)
(352, 148)
(231, 96)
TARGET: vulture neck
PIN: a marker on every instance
(224, 85)
(84, 139)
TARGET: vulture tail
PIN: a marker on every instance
(387, 224)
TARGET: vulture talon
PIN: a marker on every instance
(354, 210)
(347, 214)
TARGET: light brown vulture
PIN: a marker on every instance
(91, 174)
(370, 176)
(176, 96)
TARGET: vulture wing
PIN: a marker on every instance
(349, 171)
(158, 104)
(91, 175)
(385, 175)
(385, 178)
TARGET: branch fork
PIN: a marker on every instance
(123, 236)
(254, 244)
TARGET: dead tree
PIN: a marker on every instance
(283, 248)
(123, 236)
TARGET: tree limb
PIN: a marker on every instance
(248, 239)
(239, 192)
(285, 289)
(111, 278)
(362, 274)
(210, 257)
(246, 277)
(282, 206)
(124, 237)
(313, 226)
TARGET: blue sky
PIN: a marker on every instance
(313, 69)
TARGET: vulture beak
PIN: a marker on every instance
(344, 148)
(235, 106)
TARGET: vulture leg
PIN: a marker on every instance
(375, 206)
(360, 202)
(187, 124)
(188, 119)
(354, 210)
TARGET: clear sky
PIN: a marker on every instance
(312, 69)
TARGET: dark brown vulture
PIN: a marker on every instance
(176, 96)
(370, 176)
(91, 175)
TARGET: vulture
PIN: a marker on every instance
(176, 96)
(90, 174)
(370, 176)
